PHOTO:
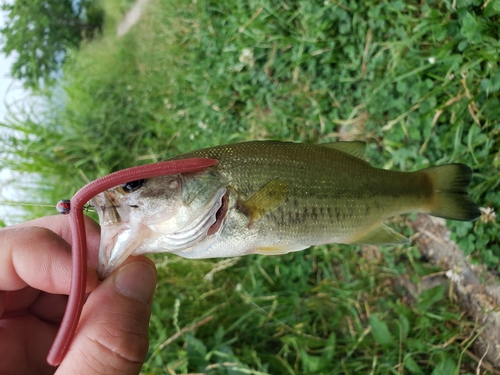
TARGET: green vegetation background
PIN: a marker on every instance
(419, 81)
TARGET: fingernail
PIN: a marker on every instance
(136, 280)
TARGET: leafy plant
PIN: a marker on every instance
(416, 80)
(39, 33)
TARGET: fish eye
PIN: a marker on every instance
(132, 185)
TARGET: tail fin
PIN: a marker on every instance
(450, 198)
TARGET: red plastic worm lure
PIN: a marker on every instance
(79, 243)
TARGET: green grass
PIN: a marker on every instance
(419, 81)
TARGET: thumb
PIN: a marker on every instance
(112, 336)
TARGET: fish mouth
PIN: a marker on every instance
(123, 235)
(122, 243)
(119, 237)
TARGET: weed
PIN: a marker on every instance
(419, 81)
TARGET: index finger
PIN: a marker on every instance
(59, 224)
(36, 253)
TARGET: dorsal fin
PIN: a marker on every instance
(354, 148)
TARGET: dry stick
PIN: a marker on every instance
(79, 242)
(480, 299)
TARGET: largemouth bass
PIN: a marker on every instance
(269, 197)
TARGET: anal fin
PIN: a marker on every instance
(380, 234)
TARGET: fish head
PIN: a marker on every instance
(160, 214)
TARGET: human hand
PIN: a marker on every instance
(35, 273)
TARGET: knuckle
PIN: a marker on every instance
(127, 339)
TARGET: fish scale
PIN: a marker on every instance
(271, 197)
(325, 178)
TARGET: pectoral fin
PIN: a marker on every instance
(267, 199)
(279, 249)
(380, 234)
